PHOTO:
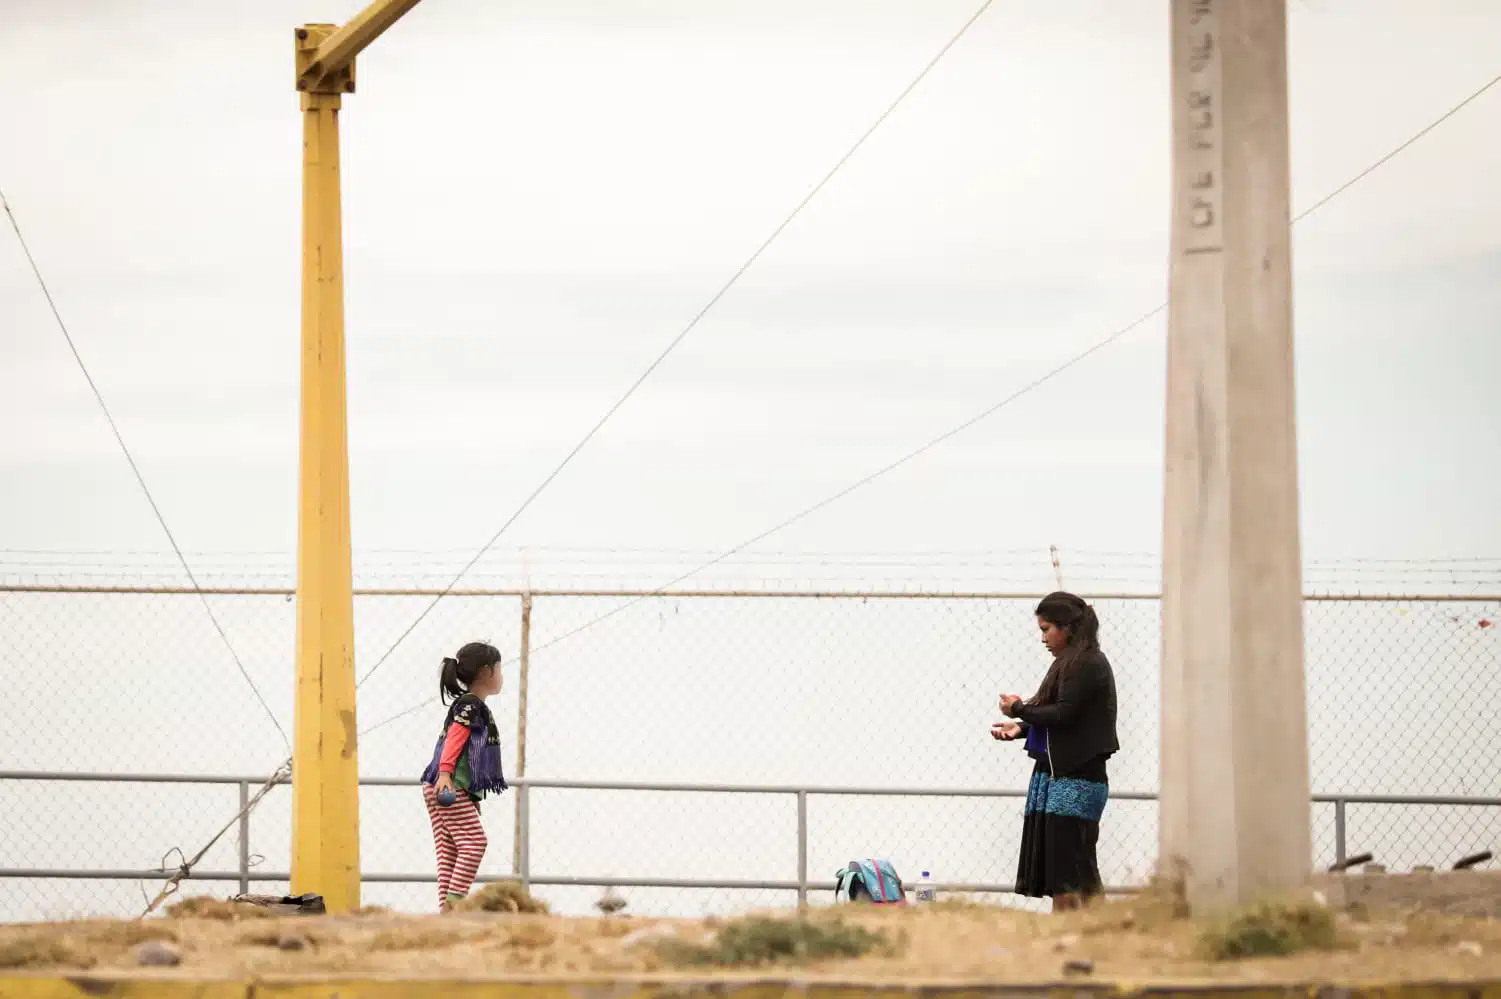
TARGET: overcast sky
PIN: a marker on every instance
(539, 195)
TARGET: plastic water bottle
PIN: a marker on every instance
(926, 891)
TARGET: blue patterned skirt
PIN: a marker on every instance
(1061, 831)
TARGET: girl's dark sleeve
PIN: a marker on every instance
(1079, 683)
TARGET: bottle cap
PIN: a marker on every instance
(925, 874)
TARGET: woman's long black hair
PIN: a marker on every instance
(459, 672)
(1077, 618)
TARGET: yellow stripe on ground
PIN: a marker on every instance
(117, 986)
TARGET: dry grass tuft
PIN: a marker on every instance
(502, 896)
(42, 952)
(418, 937)
(1274, 928)
(756, 941)
(204, 907)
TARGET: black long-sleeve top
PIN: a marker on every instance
(1081, 719)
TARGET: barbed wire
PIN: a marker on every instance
(232, 554)
(788, 574)
(631, 567)
(543, 558)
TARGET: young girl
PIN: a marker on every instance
(466, 764)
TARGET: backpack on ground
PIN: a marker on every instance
(869, 881)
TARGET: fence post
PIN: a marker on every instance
(244, 837)
(522, 683)
(802, 849)
(1339, 830)
(524, 836)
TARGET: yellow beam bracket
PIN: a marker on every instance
(328, 66)
(312, 77)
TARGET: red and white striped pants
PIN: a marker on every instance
(460, 841)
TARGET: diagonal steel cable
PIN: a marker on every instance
(136, 470)
(967, 424)
(672, 345)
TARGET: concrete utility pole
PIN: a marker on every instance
(1235, 809)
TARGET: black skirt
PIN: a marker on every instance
(1061, 830)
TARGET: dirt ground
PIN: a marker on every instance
(1127, 940)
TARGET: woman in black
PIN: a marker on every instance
(1069, 728)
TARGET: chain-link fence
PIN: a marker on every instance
(865, 690)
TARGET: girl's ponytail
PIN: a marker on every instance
(449, 687)
(459, 672)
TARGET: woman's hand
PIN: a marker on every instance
(1005, 731)
(1009, 704)
(444, 782)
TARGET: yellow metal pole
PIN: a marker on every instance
(325, 763)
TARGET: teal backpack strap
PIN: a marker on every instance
(877, 882)
(842, 879)
(894, 889)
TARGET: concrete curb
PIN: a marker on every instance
(169, 986)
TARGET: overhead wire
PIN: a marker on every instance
(692, 324)
(135, 469)
(665, 588)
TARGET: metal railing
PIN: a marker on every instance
(245, 874)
